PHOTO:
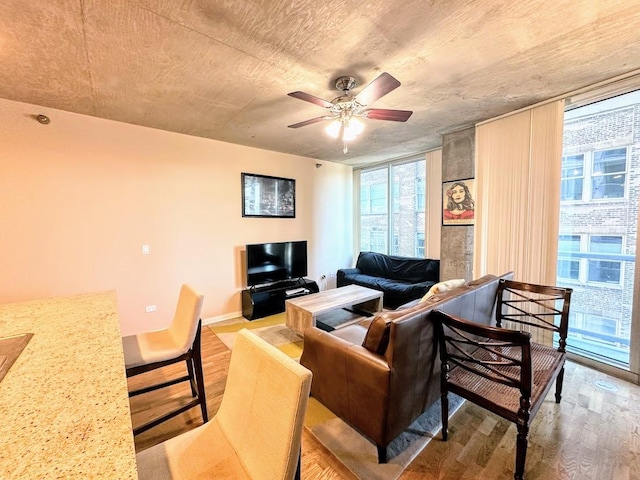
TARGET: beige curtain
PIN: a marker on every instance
(433, 220)
(518, 166)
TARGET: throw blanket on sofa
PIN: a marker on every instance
(402, 279)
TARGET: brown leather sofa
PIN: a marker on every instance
(382, 374)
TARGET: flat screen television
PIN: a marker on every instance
(274, 262)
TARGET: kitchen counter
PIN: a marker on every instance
(64, 407)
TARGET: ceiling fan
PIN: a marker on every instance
(345, 109)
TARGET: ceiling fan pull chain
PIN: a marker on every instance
(343, 130)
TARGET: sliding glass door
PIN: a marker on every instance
(598, 225)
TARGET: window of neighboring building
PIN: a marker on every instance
(594, 328)
(568, 266)
(396, 196)
(420, 194)
(378, 242)
(609, 173)
(605, 270)
(396, 244)
(572, 177)
(378, 198)
(365, 200)
(590, 258)
(420, 245)
(600, 325)
(603, 176)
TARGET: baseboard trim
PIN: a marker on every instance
(221, 318)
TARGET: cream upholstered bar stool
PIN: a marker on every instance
(257, 431)
(180, 342)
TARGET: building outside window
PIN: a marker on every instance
(396, 245)
(374, 241)
(572, 177)
(606, 269)
(420, 245)
(420, 194)
(600, 187)
(590, 258)
(598, 174)
(568, 264)
(396, 197)
(609, 173)
(378, 242)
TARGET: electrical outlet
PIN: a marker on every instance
(150, 308)
(146, 249)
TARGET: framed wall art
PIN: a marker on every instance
(265, 196)
(458, 202)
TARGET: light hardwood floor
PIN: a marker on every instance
(594, 433)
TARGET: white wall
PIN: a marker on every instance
(79, 197)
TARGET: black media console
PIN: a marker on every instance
(258, 302)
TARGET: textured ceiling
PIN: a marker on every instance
(222, 69)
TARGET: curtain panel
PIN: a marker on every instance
(518, 169)
(433, 220)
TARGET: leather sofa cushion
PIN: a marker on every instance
(377, 338)
(354, 334)
(406, 269)
(393, 287)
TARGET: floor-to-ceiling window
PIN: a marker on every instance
(392, 208)
(598, 225)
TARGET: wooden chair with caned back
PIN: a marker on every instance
(501, 369)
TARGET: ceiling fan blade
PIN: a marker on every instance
(383, 114)
(379, 87)
(310, 98)
(308, 122)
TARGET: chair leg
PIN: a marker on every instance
(192, 378)
(197, 365)
(382, 454)
(298, 473)
(521, 451)
(444, 402)
(559, 380)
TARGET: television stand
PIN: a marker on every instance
(258, 302)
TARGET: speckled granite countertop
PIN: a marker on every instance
(64, 409)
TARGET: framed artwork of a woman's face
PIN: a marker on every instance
(458, 202)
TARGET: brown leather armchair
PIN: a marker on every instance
(382, 375)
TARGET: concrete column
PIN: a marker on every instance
(456, 241)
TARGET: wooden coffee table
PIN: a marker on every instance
(302, 312)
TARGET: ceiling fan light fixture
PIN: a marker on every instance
(333, 129)
(343, 109)
(353, 128)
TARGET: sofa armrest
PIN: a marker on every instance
(349, 380)
(341, 276)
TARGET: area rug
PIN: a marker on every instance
(355, 452)
(360, 455)
(272, 329)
